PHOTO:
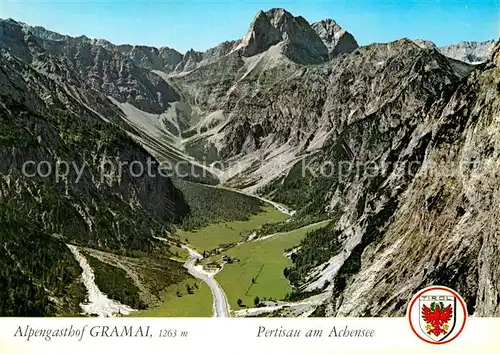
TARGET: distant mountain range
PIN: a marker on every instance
(468, 52)
(395, 143)
(267, 26)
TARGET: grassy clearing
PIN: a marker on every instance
(198, 304)
(179, 254)
(211, 237)
(264, 261)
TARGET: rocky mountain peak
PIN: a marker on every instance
(277, 16)
(327, 28)
(261, 35)
(284, 21)
(301, 43)
(336, 39)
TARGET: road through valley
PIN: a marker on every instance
(220, 306)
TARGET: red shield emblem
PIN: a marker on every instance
(437, 315)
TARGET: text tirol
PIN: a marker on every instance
(336, 331)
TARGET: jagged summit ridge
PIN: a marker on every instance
(302, 42)
(299, 41)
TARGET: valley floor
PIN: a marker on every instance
(226, 233)
(249, 272)
(262, 260)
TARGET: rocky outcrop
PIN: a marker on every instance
(147, 57)
(297, 112)
(261, 35)
(300, 41)
(337, 40)
(443, 230)
(43, 33)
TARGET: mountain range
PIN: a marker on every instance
(394, 143)
(469, 52)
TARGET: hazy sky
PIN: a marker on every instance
(203, 24)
